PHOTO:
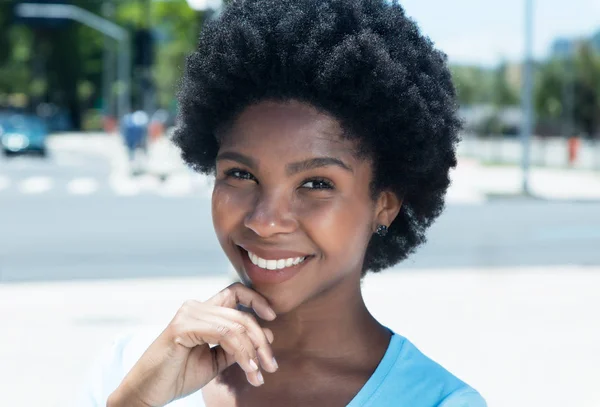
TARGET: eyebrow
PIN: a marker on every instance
(317, 162)
(292, 168)
(240, 158)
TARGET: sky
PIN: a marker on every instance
(485, 32)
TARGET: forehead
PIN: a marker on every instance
(288, 127)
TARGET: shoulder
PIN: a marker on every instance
(419, 381)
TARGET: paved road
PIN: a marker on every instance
(53, 231)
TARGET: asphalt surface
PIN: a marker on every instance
(50, 234)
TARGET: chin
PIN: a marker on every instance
(282, 300)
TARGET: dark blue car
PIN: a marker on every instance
(21, 134)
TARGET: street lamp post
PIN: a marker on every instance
(527, 96)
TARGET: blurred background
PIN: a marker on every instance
(103, 229)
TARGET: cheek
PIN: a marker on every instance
(227, 210)
(339, 227)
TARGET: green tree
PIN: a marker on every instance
(473, 84)
(587, 90)
(581, 77)
(503, 93)
(178, 27)
(549, 93)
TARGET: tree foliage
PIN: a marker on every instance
(64, 66)
(568, 89)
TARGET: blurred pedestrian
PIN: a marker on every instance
(331, 126)
(134, 129)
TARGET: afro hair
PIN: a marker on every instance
(362, 61)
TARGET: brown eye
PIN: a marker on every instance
(236, 173)
(318, 184)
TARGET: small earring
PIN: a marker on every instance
(382, 230)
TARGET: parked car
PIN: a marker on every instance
(22, 133)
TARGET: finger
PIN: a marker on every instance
(238, 293)
(231, 335)
(269, 335)
(215, 323)
(223, 360)
(255, 378)
(257, 335)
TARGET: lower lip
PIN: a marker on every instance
(259, 275)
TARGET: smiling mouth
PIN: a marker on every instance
(272, 264)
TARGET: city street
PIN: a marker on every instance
(100, 245)
(74, 216)
(88, 252)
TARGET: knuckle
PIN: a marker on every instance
(249, 320)
(223, 331)
(238, 328)
(177, 328)
(241, 348)
(227, 292)
(188, 305)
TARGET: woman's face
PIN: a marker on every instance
(292, 206)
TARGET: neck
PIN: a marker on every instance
(335, 324)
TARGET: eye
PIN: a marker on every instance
(318, 183)
(236, 173)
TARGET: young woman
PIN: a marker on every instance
(330, 126)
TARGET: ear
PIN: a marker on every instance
(387, 208)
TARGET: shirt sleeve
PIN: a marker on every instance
(103, 377)
(466, 397)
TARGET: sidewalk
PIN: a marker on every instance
(489, 182)
(522, 337)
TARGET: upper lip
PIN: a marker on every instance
(272, 254)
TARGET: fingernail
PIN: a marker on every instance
(260, 378)
(275, 363)
(273, 314)
(253, 365)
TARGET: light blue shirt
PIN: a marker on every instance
(405, 377)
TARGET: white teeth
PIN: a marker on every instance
(274, 264)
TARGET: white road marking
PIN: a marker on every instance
(456, 196)
(36, 185)
(203, 183)
(4, 182)
(82, 186)
(123, 185)
(148, 183)
(177, 186)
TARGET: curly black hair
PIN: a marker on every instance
(362, 61)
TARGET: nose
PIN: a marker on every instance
(271, 215)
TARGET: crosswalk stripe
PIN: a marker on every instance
(82, 186)
(36, 185)
(124, 186)
(4, 182)
(175, 186)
